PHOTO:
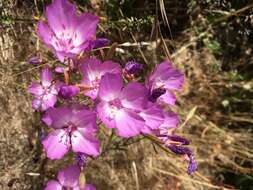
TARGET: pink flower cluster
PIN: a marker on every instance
(114, 97)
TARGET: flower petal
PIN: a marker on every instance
(86, 29)
(85, 143)
(57, 117)
(134, 96)
(128, 123)
(46, 77)
(168, 98)
(90, 70)
(110, 86)
(48, 101)
(104, 110)
(171, 120)
(36, 89)
(61, 15)
(69, 176)
(45, 33)
(153, 116)
(110, 67)
(84, 118)
(53, 185)
(56, 144)
(36, 103)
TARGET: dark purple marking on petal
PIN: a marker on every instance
(156, 93)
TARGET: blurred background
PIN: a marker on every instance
(211, 41)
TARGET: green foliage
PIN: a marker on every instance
(5, 20)
(213, 45)
(131, 23)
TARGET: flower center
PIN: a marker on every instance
(95, 86)
(115, 106)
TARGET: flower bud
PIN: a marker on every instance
(67, 92)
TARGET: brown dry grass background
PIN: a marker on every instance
(223, 153)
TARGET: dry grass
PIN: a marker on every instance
(143, 165)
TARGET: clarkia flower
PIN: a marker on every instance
(68, 179)
(45, 93)
(119, 107)
(67, 33)
(92, 70)
(74, 127)
(162, 81)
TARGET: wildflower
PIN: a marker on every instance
(67, 33)
(162, 81)
(68, 91)
(68, 178)
(92, 70)
(133, 68)
(74, 127)
(119, 107)
(45, 93)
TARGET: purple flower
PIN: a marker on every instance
(45, 93)
(67, 33)
(164, 77)
(67, 178)
(92, 70)
(133, 68)
(68, 91)
(74, 127)
(119, 107)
